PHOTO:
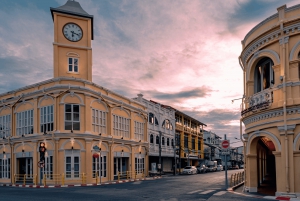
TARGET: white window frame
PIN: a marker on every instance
(103, 164)
(5, 129)
(72, 65)
(5, 168)
(24, 122)
(99, 119)
(139, 130)
(46, 118)
(72, 154)
(72, 121)
(121, 126)
(139, 165)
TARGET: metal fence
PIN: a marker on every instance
(237, 178)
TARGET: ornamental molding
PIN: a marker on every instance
(61, 86)
(284, 40)
(270, 114)
(272, 37)
(46, 97)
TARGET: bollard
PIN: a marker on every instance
(44, 179)
(135, 173)
(63, 179)
(97, 177)
(127, 174)
(14, 179)
(118, 176)
(35, 179)
(82, 178)
(143, 175)
(24, 180)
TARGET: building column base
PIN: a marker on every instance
(291, 195)
(250, 189)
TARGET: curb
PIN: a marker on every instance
(231, 190)
(77, 185)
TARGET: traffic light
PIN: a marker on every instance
(42, 150)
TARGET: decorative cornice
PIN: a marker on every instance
(290, 129)
(270, 114)
(60, 86)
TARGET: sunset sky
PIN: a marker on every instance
(183, 53)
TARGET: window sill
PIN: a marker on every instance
(70, 72)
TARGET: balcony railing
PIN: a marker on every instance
(259, 101)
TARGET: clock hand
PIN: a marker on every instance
(74, 33)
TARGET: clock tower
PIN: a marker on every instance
(73, 32)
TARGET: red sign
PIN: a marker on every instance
(95, 155)
(225, 144)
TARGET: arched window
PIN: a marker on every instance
(163, 141)
(151, 118)
(157, 140)
(168, 143)
(156, 122)
(167, 124)
(151, 138)
(263, 75)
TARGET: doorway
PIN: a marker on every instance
(120, 165)
(24, 168)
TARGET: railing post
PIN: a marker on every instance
(118, 176)
(63, 179)
(14, 179)
(135, 173)
(96, 177)
(44, 179)
(127, 174)
(231, 181)
(24, 179)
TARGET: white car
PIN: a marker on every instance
(219, 167)
(189, 170)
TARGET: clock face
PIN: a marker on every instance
(72, 32)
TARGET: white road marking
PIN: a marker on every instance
(220, 193)
(205, 192)
(194, 191)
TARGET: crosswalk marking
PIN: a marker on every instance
(205, 192)
(194, 192)
(220, 193)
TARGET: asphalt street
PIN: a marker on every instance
(209, 186)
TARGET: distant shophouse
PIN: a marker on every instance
(161, 134)
(189, 139)
(212, 146)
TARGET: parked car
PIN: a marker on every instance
(242, 166)
(211, 168)
(220, 167)
(201, 169)
(189, 170)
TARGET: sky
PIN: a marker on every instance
(182, 53)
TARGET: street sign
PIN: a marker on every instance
(225, 144)
(225, 153)
(96, 148)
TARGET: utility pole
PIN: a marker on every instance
(226, 180)
(160, 152)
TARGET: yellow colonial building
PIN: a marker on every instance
(271, 63)
(89, 132)
(189, 139)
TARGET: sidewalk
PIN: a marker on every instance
(239, 191)
(78, 185)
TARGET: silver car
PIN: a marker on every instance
(189, 170)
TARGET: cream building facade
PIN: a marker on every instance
(72, 116)
(271, 64)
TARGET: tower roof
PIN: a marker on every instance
(73, 7)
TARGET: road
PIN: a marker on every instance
(209, 186)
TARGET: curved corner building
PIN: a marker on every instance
(271, 111)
